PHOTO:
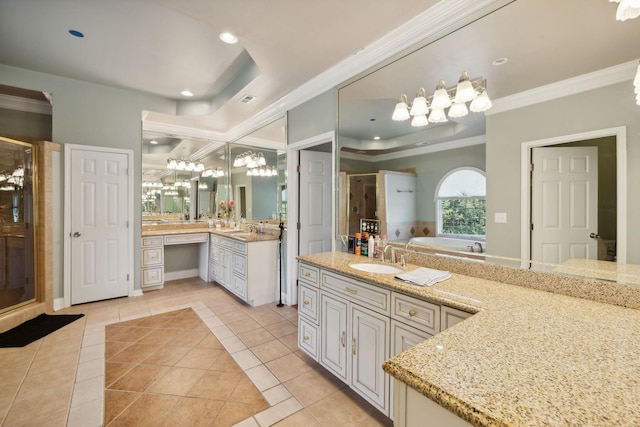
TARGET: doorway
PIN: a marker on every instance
(612, 160)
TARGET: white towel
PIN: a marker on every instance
(424, 276)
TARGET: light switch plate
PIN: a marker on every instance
(500, 218)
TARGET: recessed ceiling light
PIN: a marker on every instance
(373, 119)
(500, 61)
(228, 38)
(186, 93)
(247, 99)
(376, 138)
(76, 33)
(153, 141)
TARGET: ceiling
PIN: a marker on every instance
(161, 47)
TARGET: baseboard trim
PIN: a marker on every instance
(58, 304)
(182, 274)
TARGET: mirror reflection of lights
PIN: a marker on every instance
(439, 346)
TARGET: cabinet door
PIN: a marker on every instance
(451, 316)
(403, 337)
(369, 347)
(333, 353)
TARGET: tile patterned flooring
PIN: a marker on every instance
(60, 380)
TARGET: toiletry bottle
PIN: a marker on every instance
(372, 246)
(378, 249)
(260, 227)
(358, 244)
(365, 244)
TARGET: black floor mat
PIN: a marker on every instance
(34, 329)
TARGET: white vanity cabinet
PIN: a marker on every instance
(152, 262)
(351, 327)
(247, 269)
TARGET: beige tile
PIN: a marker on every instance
(291, 341)
(337, 409)
(116, 401)
(278, 412)
(233, 412)
(166, 355)
(135, 353)
(149, 410)
(115, 370)
(193, 412)
(177, 381)
(244, 325)
(270, 350)
(202, 358)
(300, 418)
(139, 378)
(234, 316)
(257, 337)
(287, 367)
(310, 387)
(216, 385)
(281, 329)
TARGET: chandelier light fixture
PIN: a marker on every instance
(184, 165)
(215, 173)
(424, 110)
(627, 9)
(250, 160)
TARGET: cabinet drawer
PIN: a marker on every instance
(239, 265)
(369, 296)
(308, 338)
(152, 256)
(152, 276)
(226, 243)
(308, 302)
(178, 239)
(240, 247)
(152, 241)
(214, 239)
(417, 313)
(308, 273)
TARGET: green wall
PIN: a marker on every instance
(95, 115)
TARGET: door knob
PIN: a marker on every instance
(76, 234)
(594, 236)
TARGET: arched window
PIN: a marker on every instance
(461, 203)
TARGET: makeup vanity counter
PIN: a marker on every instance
(526, 357)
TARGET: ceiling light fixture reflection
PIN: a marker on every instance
(432, 109)
(186, 93)
(185, 165)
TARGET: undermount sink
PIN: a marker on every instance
(376, 268)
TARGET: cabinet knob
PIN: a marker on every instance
(353, 346)
(305, 338)
(307, 302)
(412, 313)
(343, 339)
(307, 274)
(351, 291)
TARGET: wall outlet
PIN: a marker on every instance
(500, 218)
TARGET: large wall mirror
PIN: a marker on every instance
(550, 88)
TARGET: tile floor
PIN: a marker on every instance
(60, 379)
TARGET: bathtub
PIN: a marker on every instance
(449, 244)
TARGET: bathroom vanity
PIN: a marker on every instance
(525, 357)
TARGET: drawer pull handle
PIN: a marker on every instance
(305, 338)
(412, 313)
(352, 291)
(343, 339)
(353, 346)
(307, 302)
(307, 274)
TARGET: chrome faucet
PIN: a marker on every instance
(393, 254)
(477, 247)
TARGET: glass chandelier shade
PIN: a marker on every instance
(458, 109)
(441, 98)
(419, 107)
(464, 91)
(437, 116)
(419, 121)
(627, 9)
(481, 103)
(401, 112)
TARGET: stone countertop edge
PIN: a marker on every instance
(524, 357)
(254, 237)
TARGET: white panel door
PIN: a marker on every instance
(333, 335)
(564, 203)
(315, 202)
(100, 247)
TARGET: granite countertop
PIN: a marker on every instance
(526, 358)
(242, 235)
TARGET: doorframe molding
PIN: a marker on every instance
(293, 187)
(620, 134)
(68, 148)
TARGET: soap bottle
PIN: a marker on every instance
(372, 246)
(358, 244)
(377, 252)
(365, 244)
(260, 227)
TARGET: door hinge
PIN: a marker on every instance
(530, 167)
(127, 277)
(298, 169)
(127, 223)
(531, 227)
(298, 225)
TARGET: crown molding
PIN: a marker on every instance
(597, 79)
(424, 25)
(25, 104)
(173, 129)
(425, 149)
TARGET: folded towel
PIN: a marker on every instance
(424, 276)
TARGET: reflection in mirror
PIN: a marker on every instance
(258, 185)
(172, 172)
(370, 141)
